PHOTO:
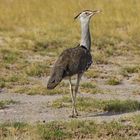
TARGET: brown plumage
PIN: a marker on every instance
(71, 61)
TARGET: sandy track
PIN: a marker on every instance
(34, 108)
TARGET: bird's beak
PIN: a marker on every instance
(95, 12)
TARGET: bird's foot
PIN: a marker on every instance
(73, 116)
(77, 114)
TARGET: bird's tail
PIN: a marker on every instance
(55, 78)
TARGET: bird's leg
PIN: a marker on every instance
(72, 97)
(76, 91)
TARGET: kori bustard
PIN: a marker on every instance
(74, 60)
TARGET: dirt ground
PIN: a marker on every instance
(33, 108)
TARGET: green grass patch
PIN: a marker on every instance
(5, 103)
(130, 70)
(122, 106)
(89, 87)
(37, 69)
(113, 81)
(16, 125)
(10, 56)
(11, 80)
(16, 130)
(89, 105)
(52, 131)
(74, 129)
(92, 73)
(136, 120)
(2, 84)
(38, 89)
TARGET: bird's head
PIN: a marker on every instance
(86, 15)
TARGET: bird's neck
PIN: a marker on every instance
(86, 39)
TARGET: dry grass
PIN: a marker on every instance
(89, 87)
(37, 89)
(92, 73)
(137, 79)
(126, 71)
(45, 28)
(113, 81)
(93, 105)
(75, 129)
(44, 14)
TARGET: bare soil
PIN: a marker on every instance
(33, 108)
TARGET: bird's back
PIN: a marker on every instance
(71, 61)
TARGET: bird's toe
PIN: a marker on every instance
(73, 116)
(77, 114)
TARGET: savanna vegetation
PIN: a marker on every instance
(73, 130)
(32, 35)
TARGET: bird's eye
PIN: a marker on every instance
(87, 13)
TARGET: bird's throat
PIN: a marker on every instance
(85, 39)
